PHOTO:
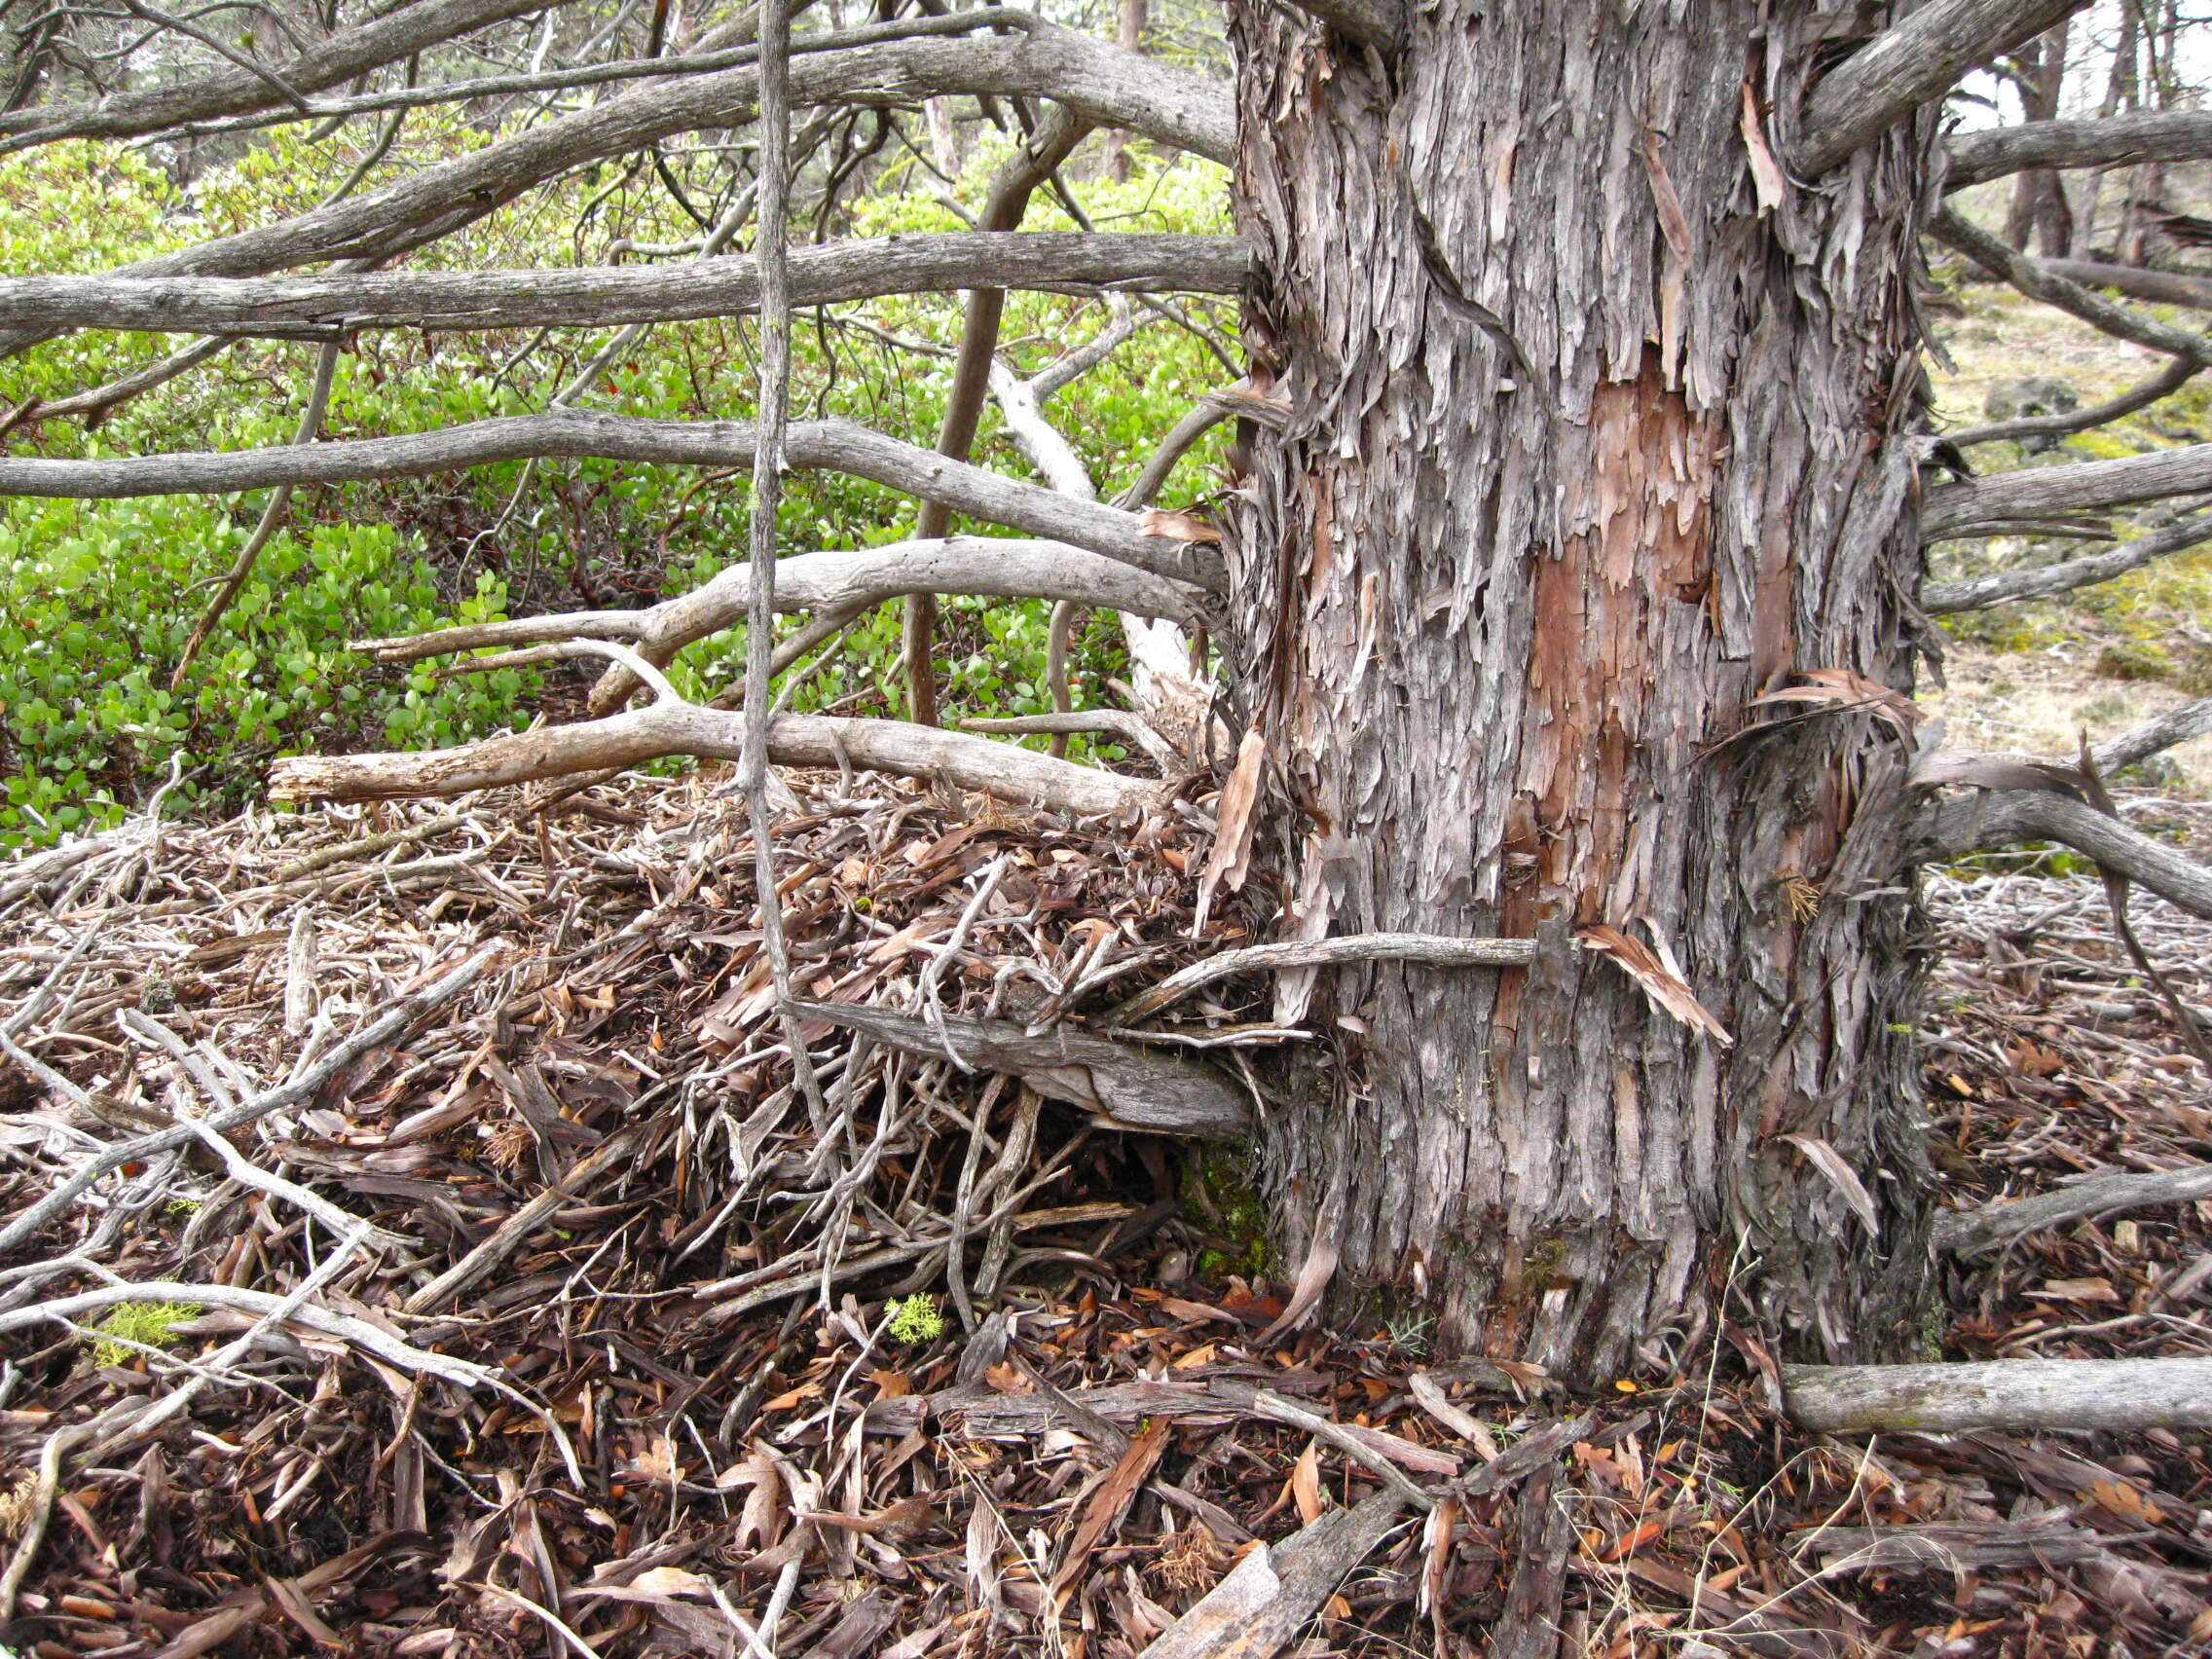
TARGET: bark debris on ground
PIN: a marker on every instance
(567, 1316)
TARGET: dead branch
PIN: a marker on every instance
(1270, 1596)
(1432, 949)
(1018, 179)
(2155, 735)
(1983, 507)
(2167, 381)
(2136, 281)
(1978, 1232)
(2002, 817)
(667, 729)
(1091, 77)
(1978, 593)
(1908, 65)
(1114, 723)
(1127, 1087)
(400, 1018)
(832, 445)
(1380, 23)
(2038, 281)
(396, 34)
(2118, 140)
(2119, 1395)
(601, 296)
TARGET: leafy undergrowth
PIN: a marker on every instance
(706, 1349)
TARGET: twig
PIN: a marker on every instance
(1433, 950)
(396, 1019)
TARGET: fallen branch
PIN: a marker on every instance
(1128, 1088)
(400, 1018)
(2121, 1394)
(1978, 1232)
(2167, 381)
(669, 728)
(1270, 1596)
(1432, 949)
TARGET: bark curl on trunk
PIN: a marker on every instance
(1489, 620)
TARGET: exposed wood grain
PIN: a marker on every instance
(1127, 1087)
(2122, 1394)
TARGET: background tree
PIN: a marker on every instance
(1568, 592)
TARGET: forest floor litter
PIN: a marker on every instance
(540, 1306)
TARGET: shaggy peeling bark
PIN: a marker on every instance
(1507, 577)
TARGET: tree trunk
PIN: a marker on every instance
(1491, 621)
(2039, 205)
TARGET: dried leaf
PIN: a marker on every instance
(1306, 1484)
(1230, 857)
(1845, 1179)
(1843, 689)
(2078, 1290)
(1176, 526)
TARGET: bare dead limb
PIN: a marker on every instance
(1115, 722)
(2167, 381)
(1433, 950)
(398, 33)
(2118, 140)
(2155, 735)
(832, 445)
(271, 516)
(1130, 1088)
(2136, 281)
(1002, 208)
(1978, 593)
(401, 1016)
(2038, 281)
(2121, 1394)
(601, 296)
(664, 729)
(1988, 505)
(1092, 77)
(830, 584)
(1978, 1232)
(1998, 818)
(1910, 64)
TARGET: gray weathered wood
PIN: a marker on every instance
(1269, 1596)
(653, 734)
(2052, 492)
(2118, 140)
(1978, 593)
(2164, 287)
(1910, 65)
(598, 296)
(833, 581)
(828, 445)
(2002, 818)
(1432, 949)
(384, 39)
(1991, 1227)
(2119, 1395)
(1127, 1087)
(1095, 78)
